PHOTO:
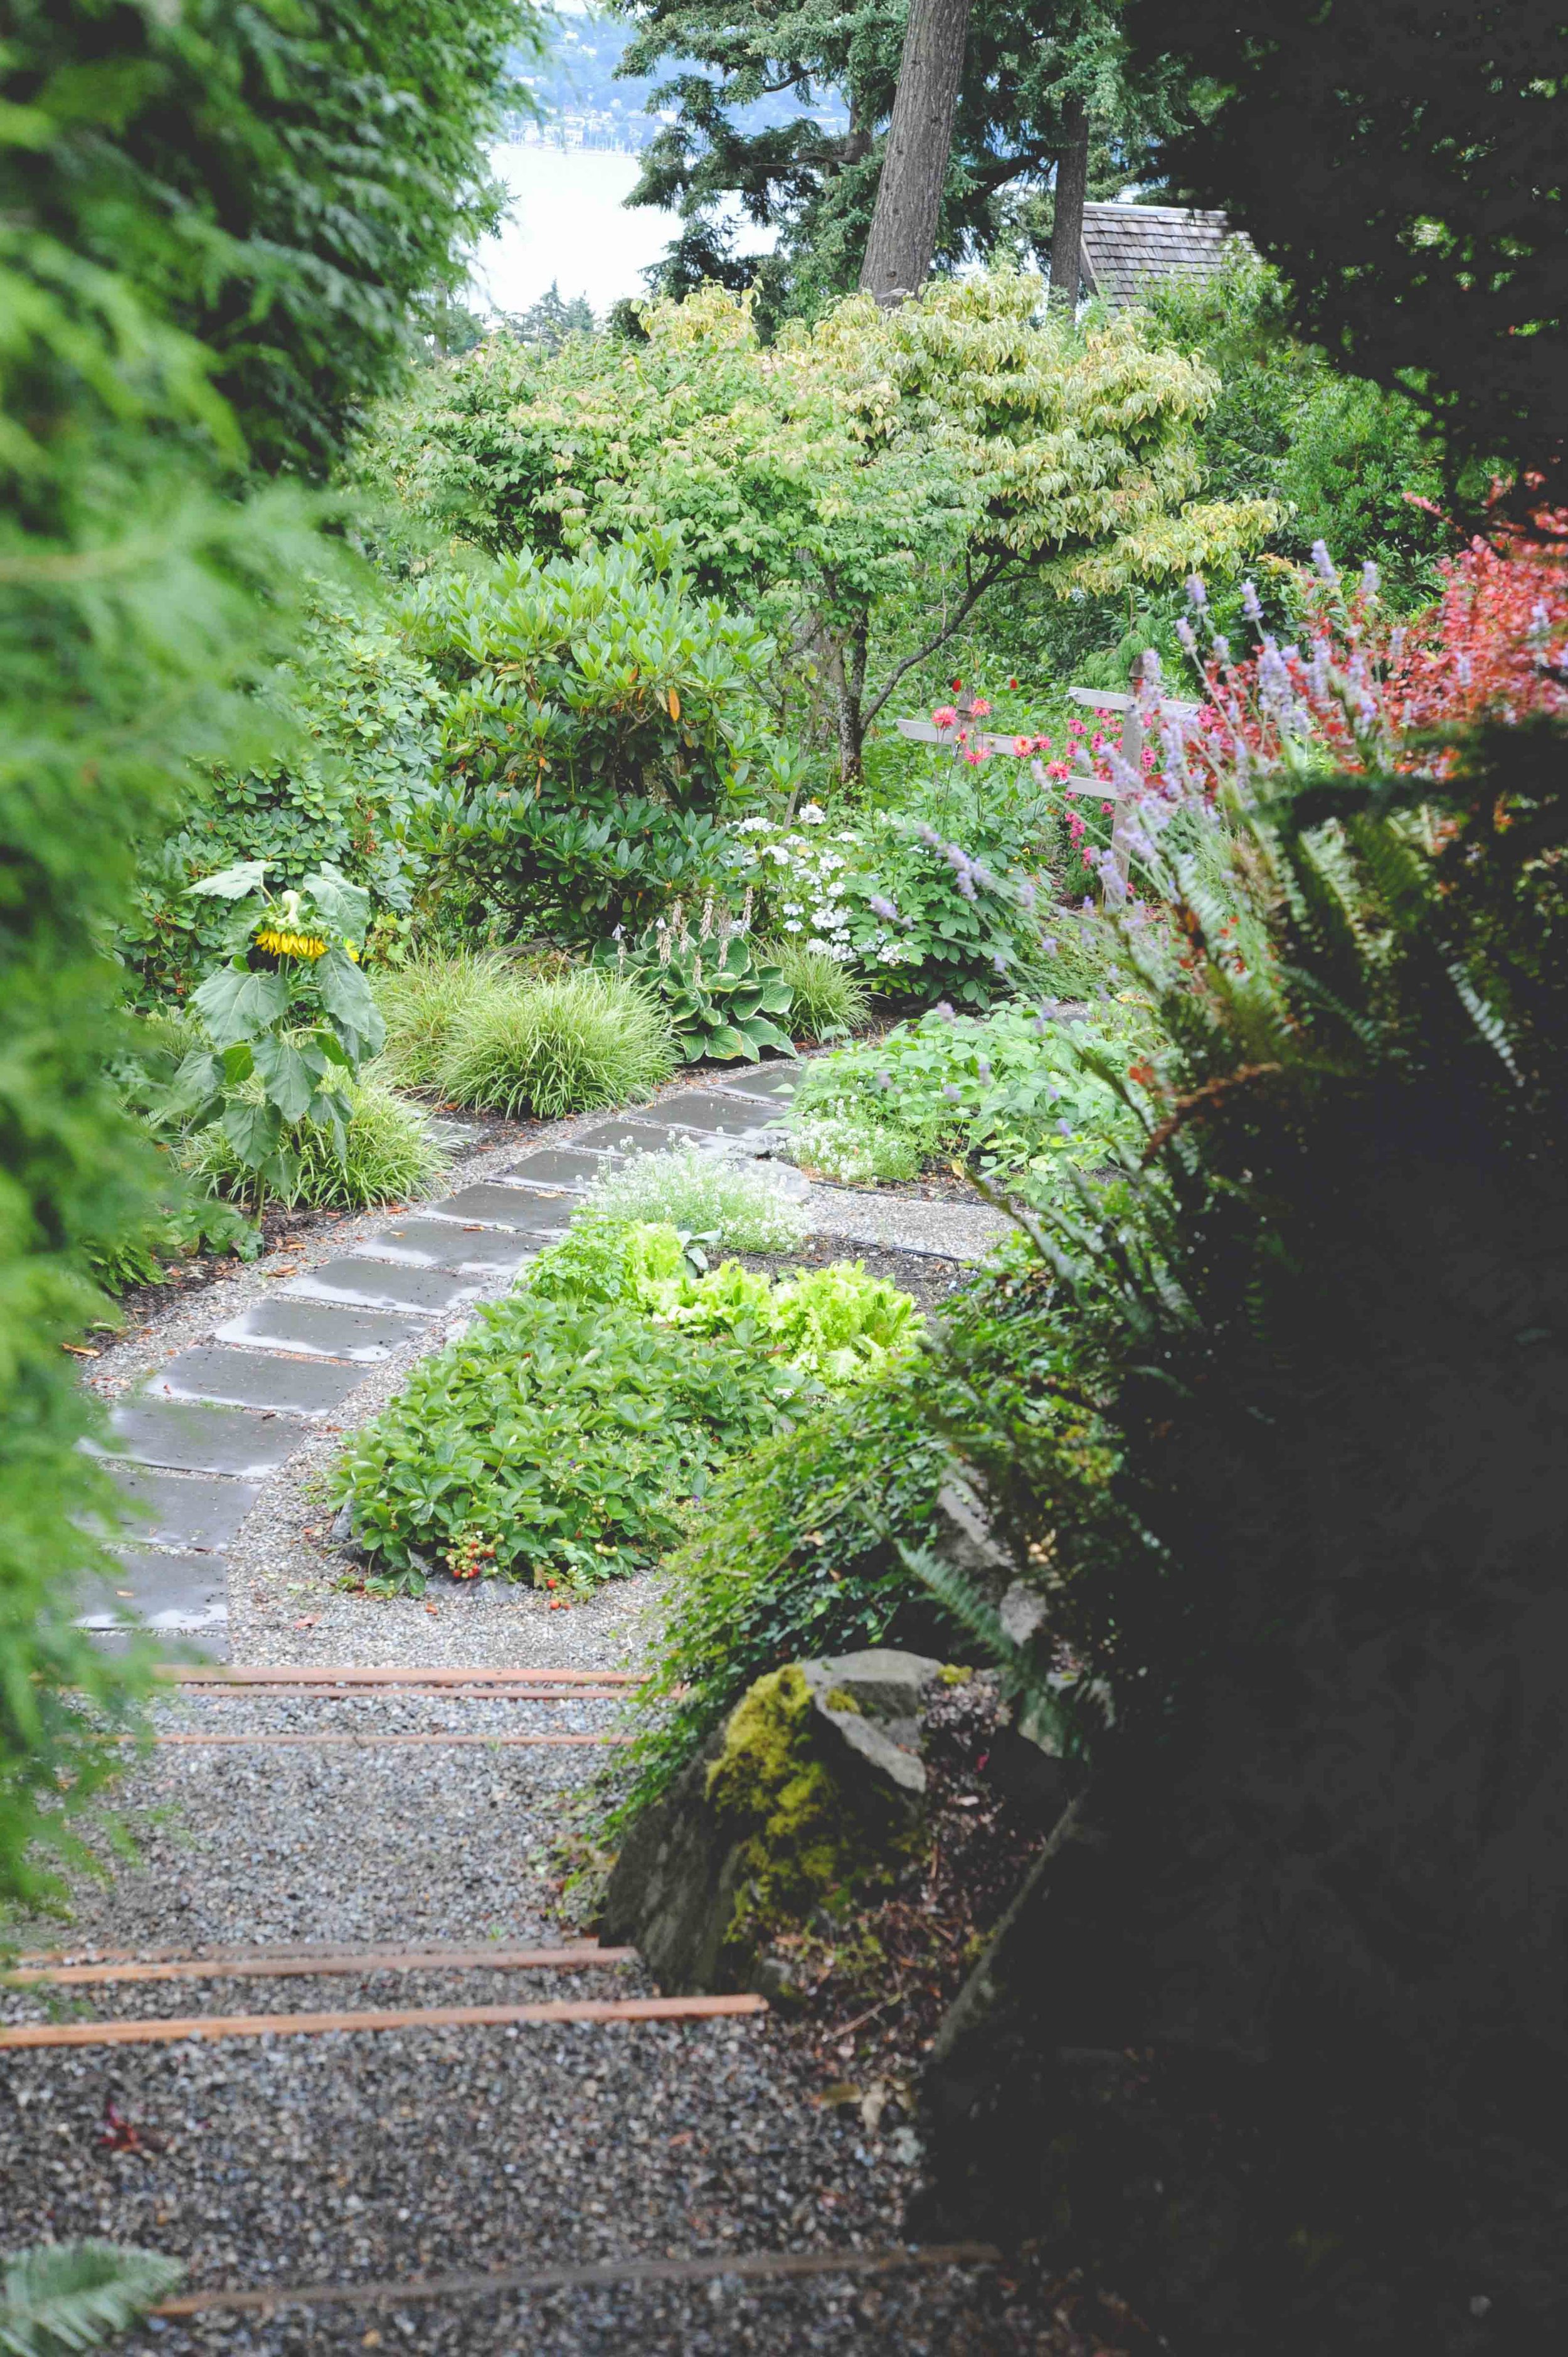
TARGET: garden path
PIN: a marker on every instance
(321, 1841)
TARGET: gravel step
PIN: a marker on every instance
(254, 1379)
(759, 1082)
(325, 1329)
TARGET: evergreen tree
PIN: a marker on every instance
(814, 180)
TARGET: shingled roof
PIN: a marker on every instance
(1127, 246)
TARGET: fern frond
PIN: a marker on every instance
(1045, 1702)
(1484, 1018)
(60, 2298)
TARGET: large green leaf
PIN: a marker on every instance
(725, 1041)
(66, 2296)
(344, 905)
(237, 1005)
(234, 883)
(346, 996)
(287, 1077)
(252, 1130)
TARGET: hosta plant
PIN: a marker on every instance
(288, 1020)
(719, 991)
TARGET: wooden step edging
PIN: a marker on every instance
(370, 1742)
(744, 2266)
(211, 2027)
(272, 1965)
(310, 1673)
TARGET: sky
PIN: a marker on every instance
(569, 224)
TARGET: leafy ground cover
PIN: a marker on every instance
(563, 1439)
(1029, 1091)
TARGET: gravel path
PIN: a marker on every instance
(357, 2156)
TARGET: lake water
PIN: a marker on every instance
(570, 225)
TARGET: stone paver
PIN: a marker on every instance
(950, 1230)
(639, 1137)
(716, 1116)
(186, 1512)
(555, 1166)
(214, 1370)
(495, 1205)
(194, 1438)
(326, 1329)
(168, 1592)
(384, 1286)
(468, 1250)
(764, 1081)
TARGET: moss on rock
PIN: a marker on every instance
(803, 1844)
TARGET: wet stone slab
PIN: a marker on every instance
(168, 1593)
(254, 1379)
(325, 1329)
(717, 1116)
(470, 1251)
(508, 1207)
(555, 1166)
(369, 1285)
(196, 1512)
(197, 1439)
(639, 1138)
(760, 1082)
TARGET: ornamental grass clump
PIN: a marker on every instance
(386, 1153)
(826, 1000)
(692, 1189)
(422, 1004)
(555, 1048)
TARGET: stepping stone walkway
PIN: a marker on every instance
(221, 1416)
(325, 2035)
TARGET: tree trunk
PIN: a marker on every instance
(847, 675)
(1067, 228)
(910, 193)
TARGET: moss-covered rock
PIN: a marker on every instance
(810, 1795)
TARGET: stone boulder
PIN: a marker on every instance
(814, 1785)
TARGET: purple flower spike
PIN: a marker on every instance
(944, 1008)
(1371, 579)
(953, 1093)
(1251, 604)
(1026, 895)
(1197, 596)
(1324, 564)
(883, 908)
(1188, 638)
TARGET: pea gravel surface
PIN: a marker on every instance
(358, 2157)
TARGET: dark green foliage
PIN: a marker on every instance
(794, 1556)
(603, 721)
(1403, 166)
(291, 184)
(143, 188)
(1349, 464)
(719, 990)
(360, 717)
(562, 1436)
